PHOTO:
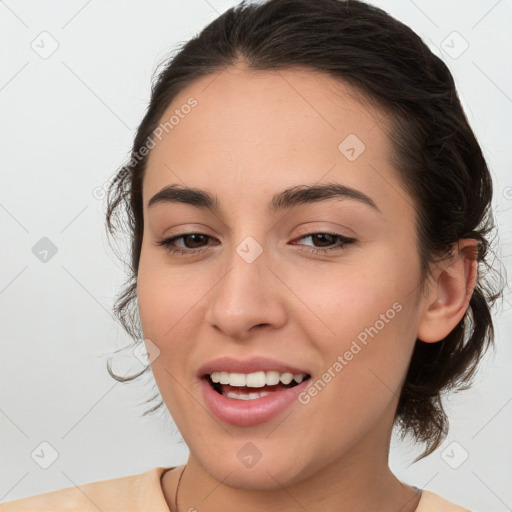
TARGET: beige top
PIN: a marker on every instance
(143, 493)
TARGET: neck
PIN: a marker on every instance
(358, 481)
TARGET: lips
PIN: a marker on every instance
(259, 404)
(247, 413)
(255, 364)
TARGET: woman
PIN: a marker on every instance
(309, 211)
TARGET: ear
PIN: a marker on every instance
(448, 298)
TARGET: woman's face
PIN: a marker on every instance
(255, 287)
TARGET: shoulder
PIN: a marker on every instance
(125, 494)
(432, 502)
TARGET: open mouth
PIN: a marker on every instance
(250, 392)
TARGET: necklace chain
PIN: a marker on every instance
(177, 488)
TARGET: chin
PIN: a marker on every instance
(269, 475)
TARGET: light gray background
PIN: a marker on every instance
(67, 125)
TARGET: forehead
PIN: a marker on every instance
(266, 130)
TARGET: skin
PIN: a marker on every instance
(251, 135)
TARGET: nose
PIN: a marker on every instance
(248, 296)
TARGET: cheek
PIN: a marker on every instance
(364, 363)
(365, 314)
(168, 304)
(167, 319)
(163, 291)
(342, 300)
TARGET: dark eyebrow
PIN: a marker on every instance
(288, 198)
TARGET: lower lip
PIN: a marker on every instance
(245, 413)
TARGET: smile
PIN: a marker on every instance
(249, 399)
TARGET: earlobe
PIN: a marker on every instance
(448, 298)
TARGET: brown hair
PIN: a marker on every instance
(435, 151)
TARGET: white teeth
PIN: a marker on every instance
(286, 378)
(250, 396)
(256, 379)
(237, 379)
(272, 378)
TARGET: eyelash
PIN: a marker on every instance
(167, 243)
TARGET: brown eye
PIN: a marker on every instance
(194, 242)
(327, 238)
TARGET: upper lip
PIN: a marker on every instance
(254, 364)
